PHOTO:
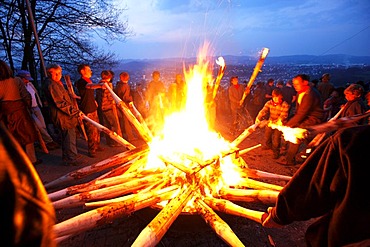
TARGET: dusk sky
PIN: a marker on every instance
(177, 28)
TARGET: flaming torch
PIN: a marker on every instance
(221, 62)
(256, 70)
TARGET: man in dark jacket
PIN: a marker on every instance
(309, 111)
(63, 114)
(123, 91)
(332, 184)
(89, 107)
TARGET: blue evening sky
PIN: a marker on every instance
(177, 28)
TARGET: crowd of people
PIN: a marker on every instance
(55, 116)
(299, 103)
(327, 185)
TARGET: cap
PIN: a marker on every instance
(24, 74)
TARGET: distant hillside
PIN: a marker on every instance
(339, 59)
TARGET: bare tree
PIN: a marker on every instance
(67, 30)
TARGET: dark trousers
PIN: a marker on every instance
(126, 128)
(93, 135)
(111, 122)
(273, 139)
(69, 149)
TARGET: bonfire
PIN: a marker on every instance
(186, 168)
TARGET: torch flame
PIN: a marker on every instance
(264, 53)
(290, 134)
(221, 62)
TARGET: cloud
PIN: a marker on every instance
(243, 27)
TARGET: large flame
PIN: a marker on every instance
(186, 137)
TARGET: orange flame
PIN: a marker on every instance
(186, 138)
(290, 134)
(264, 53)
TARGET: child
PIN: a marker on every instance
(278, 113)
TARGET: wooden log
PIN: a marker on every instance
(319, 137)
(112, 181)
(175, 164)
(105, 193)
(71, 91)
(228, 207)
(113, 135)
(218, 225)
(155, 186)
(93, 185)
(113, 161)
(141, 195)
(122, 169)
(246, 150)
(106, 214)
(155, 230)
(254, 173)
(261, 196)
(336, 124)
(140, 127)
(62, 238)
(118, 170)
(253, 184)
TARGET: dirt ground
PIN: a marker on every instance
(187, 230)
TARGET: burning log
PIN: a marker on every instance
(246, 150)
(117, 159)
(263, 196)
(105, 214)
(247, 132)
(142, 128)
(155, 230)
(228, 207)
(113, 135)
(104, 193)
(202, 164)
(176, 165)
(219, 226)
(138, 114)
(256, 70)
